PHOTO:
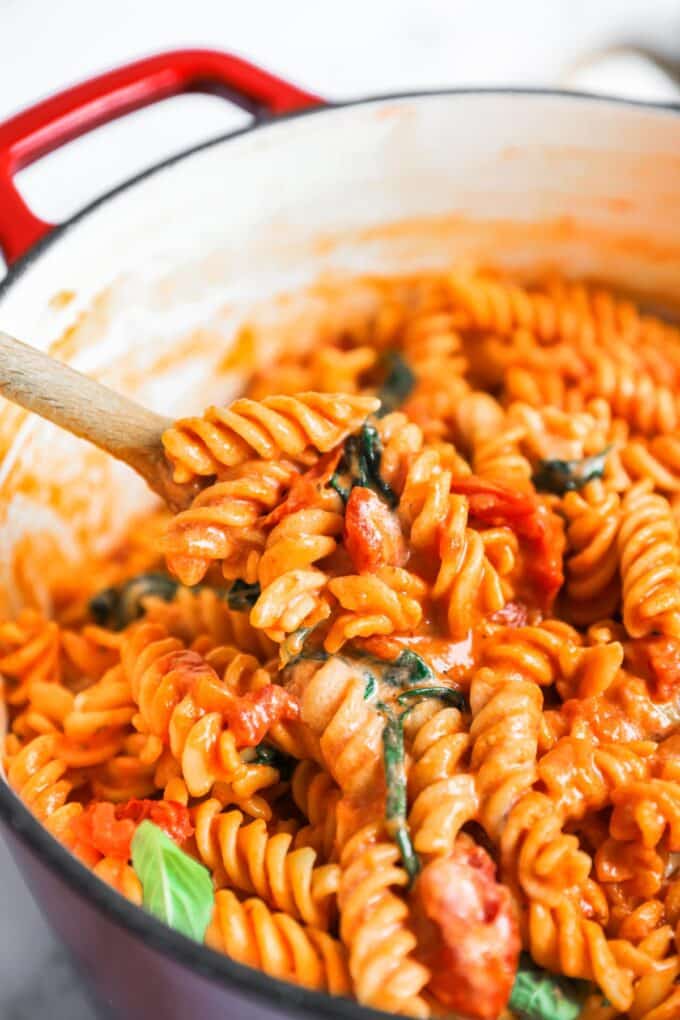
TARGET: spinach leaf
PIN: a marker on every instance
(371, 688)
(398, 384)
(393, 759)
(360, 465)
(447, 694)
(267, 754)
(407, 669)
(293, 649)
(118, 606)
(242, 596)
(538, 995)
(395, 782)
(176, 888)
(560, 476)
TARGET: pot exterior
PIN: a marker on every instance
(126, 978)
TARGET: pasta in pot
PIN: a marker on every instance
(406, 704)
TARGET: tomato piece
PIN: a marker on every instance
(468, 931)
(657, 659)
(99, 828)
(544, 536)
(305, 488)
(170, 816)
(250, 717)
(494, 505)
(373, 536)
(109, 828)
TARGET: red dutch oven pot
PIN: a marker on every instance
(395, 184)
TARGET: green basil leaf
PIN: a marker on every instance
(560, 476)
(242, 596)
(118, 606)
(538, 995)
(398, 384)
(176, 888)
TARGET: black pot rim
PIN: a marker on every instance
(199, 958)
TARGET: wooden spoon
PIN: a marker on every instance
(91, 411)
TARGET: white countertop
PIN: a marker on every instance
(339, 50)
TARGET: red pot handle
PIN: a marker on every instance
(49, 124)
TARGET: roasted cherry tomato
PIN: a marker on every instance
(250, 717)
(468, 933)
(373, 536)
(109, 828)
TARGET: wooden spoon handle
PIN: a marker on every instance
(89, 410)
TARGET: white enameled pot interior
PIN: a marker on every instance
(148, 290)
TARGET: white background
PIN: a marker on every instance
(338, 50)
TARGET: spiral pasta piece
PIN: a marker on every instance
(40, 777)
(126, 775)
(379, 603)
(247, 857)
(291, 602)
(349, 728)
(592, 563)
(650, 563)
(586, 318)
(467, 580)
(434, 351)
(181, 700)
(118, 874)
(105, 706)
(278, 426)
(292, 589)
(424, 504)
(374, 925)
(649, 407)
(538, 859)
(442, 794)
(334, 370)
(46, 707)
(204, 614)
(317, 796)
(224, 523)
(30, 652)
(580, 776)
(506, 703)
(300, 540)
(657, 459)
(646, 812)
(492, 440)
(563, 941)
(249, 932)
(401, 439)
(656, 996)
